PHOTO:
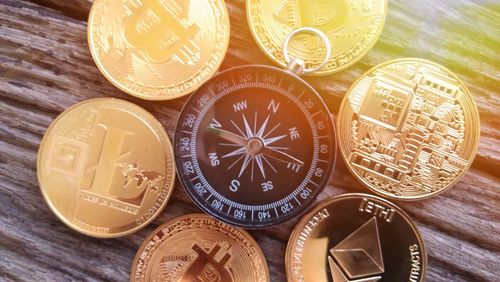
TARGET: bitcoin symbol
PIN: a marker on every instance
(158, 30)
(206, 269)
(326, 14)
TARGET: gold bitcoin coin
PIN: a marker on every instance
(156, 49)
(198, 247)
(105, 167)
(408, 129)
(352, 27)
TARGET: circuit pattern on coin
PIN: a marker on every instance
(353, 27)
(254, 146)
(106, 168)
(158, 50)
(355, 237)
(408, 129)
(198, 247)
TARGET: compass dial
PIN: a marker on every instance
(254, 146)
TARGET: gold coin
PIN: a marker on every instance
(353, 27)
(105, 167)
(198, 247)
(158, 50)
(408, 129)
(356, 237)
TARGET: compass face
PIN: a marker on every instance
(254, 146)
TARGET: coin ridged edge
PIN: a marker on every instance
(68, 223)
(301, 223)
(109, 78)
(201, 216)
(477, 136)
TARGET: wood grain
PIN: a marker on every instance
(45, 67)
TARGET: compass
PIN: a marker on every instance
(254, 146)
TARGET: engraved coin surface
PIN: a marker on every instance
(356, 237)
(156, 49)
(353, 27)
(254, 146)
(105, 167)
(408, 129)
(198, 247)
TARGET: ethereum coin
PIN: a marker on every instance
(105, 167)
(353, 27)
(356, 237)
(158, 50)
(198, 247)
(408, 129)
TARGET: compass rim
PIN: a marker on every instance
(274, 221)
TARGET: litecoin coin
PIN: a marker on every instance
(105, 167)
(198, 247)
(356, 237)
(408, 129)
(158, 50)
(353, 27)
(254, 146)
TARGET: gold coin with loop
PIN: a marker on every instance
(352, 29)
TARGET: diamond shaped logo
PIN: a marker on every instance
(358, 258)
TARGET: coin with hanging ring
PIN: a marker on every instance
(254, 144)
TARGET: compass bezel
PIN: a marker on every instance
(277, 218)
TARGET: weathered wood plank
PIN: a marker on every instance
(45, 66)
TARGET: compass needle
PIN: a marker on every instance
(281, 156)
(228, 136)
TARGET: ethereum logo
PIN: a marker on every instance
(358, 258)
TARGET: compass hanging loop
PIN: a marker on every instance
(297, 65)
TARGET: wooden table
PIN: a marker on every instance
(45, 67)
